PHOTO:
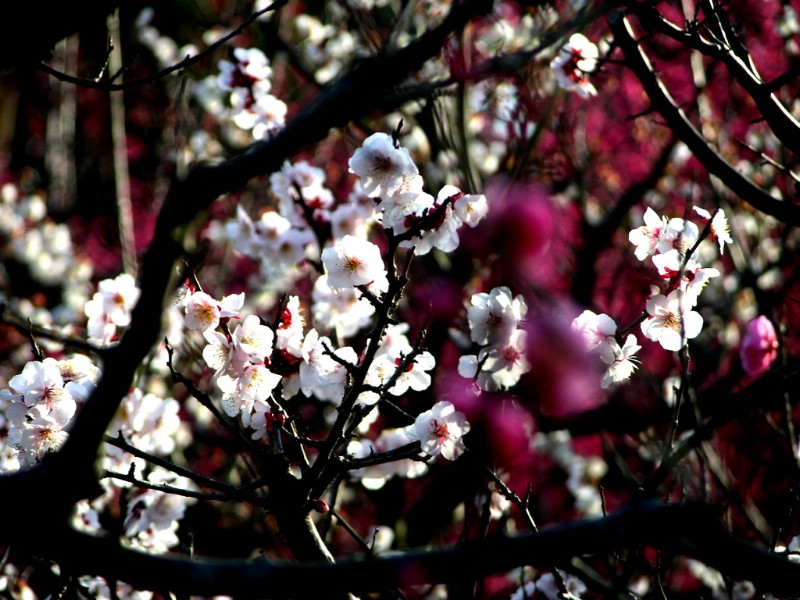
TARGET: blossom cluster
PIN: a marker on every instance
(38, 406)
(109, 310)
(668, 318)
(257, 368)
(495, 325)
(671, 244)
(240, 94)
(388, 174)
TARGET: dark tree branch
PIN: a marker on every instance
(109, 86)
(677, 121)
(690, 530)
(735, 57)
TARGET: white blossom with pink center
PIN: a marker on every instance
(494, 316)
(693, 277)
(381, 165)
(203, 312)
(415, 376)
(440, 431)
(720, 230)
(575, 61)
(671, 322)
(352, 262)
(647, 237)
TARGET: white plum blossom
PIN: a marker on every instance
(680, 234)
(39, 383)
(599, 335)
(352, 219)
(594, 328)
(203, 313)
(300, 180)
(671, 322)
(415, 376)
(251, 68)
(272, 240)
(352, 262)
(693, 277)
(41, 432)
(343, 310)
(79, 373)
(471, 208)
(374, 477)
(720, 230)
(647, 237)
(289, 334)
(395, 342)
(494, 316)
(381, 165)
(224, 355)
(151, 523)
(619, 359)
(110, 307)
(575, 61)
(504, 364)
(320, 374)
(440, 431)
(409, 199)
(148, 421)
(254, 339)
(252, 107)
(254, 385)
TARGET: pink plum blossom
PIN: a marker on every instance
(759, 346)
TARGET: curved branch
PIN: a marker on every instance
(690, 530)
(109, 86)
(688, 134)
(785, 127)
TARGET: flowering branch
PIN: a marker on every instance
(71, 470)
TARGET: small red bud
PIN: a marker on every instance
(319, 505)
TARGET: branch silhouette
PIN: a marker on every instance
(679, 123)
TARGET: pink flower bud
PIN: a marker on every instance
(319, 505)
(759, 347)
